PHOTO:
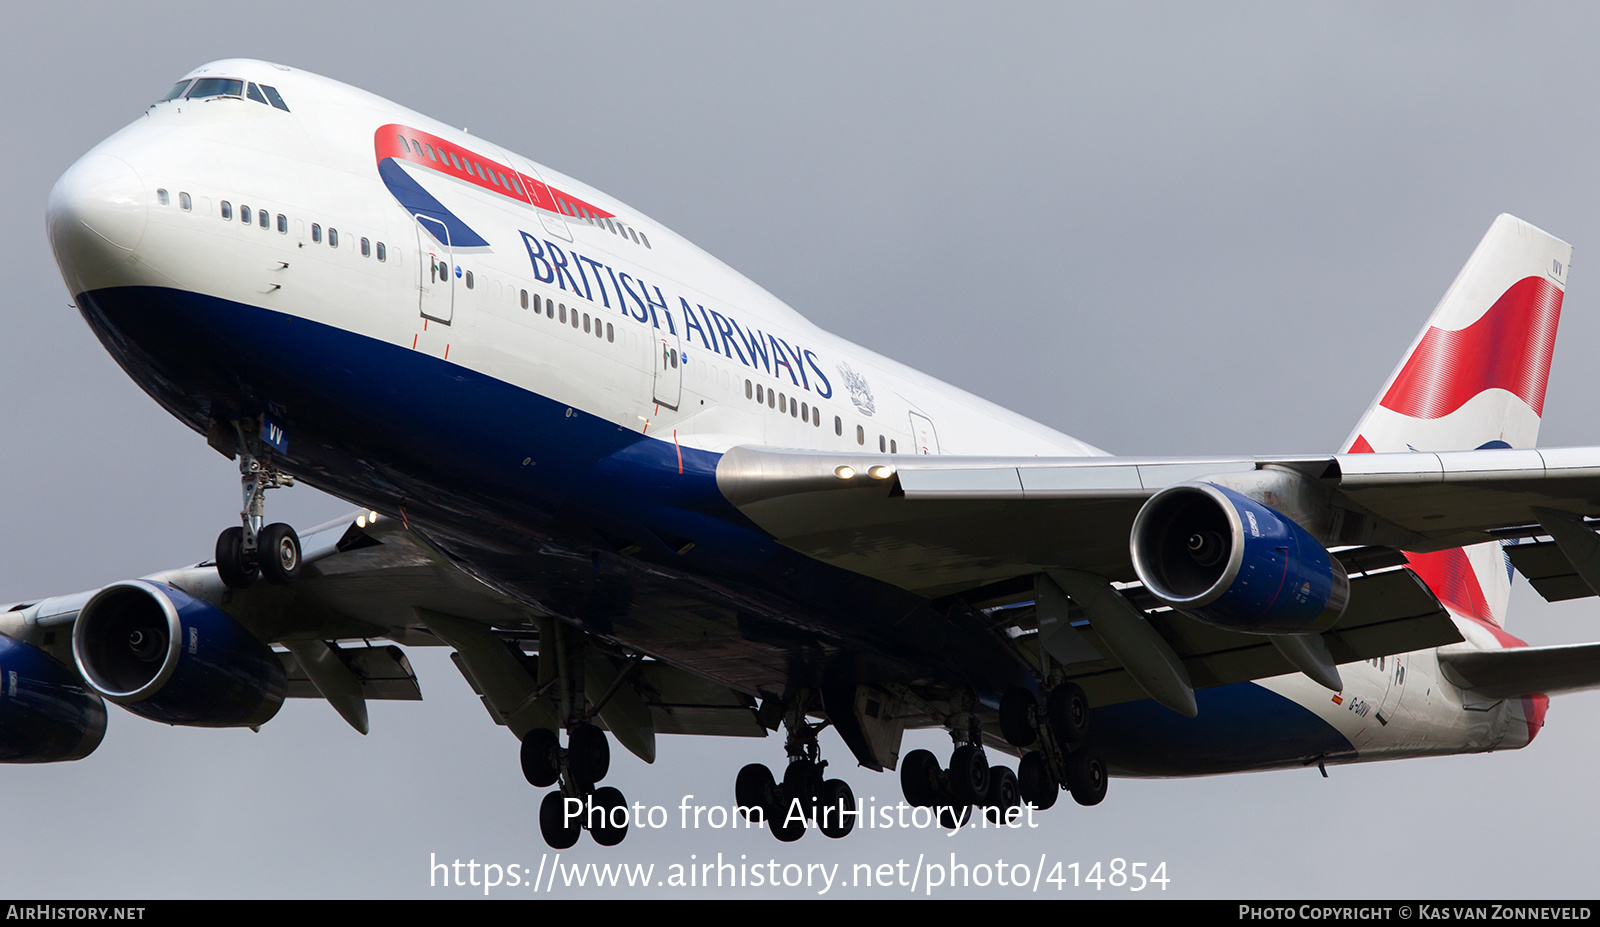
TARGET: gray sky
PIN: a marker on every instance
(1162, 229)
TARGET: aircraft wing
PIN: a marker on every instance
(940, 525)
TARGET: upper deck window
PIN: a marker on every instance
(216, 87)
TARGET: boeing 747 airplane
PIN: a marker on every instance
(636, 494)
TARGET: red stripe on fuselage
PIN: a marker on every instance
(1508, 348)
(386, 143)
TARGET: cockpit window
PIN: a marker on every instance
(216, 87)
(176, 91)
(255, 95)
(272, 94)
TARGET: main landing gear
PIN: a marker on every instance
(575, 805)
(806, 797)
(1061, 758)
(255, 549)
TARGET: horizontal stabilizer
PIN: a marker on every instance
(1523, 671)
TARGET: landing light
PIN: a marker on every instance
(881, 472)
(845, 472)
(361, 521)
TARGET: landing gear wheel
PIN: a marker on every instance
(603, 825)
(954, 817)
(837, 809)
(278, 552)
(588, 754)
(756, 789)
(1004, 793)
(919, 779)
(553, 824)
(541, 757)
(236, 571)
(1086, 776)
(1034, 782)
(1019, 717)
(788, 823)
(1068, 710)
(969, 775)
(802, 780)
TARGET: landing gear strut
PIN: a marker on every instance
(1062, 760)
(806, 797)
(255, 549)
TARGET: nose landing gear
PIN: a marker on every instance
(255, 549)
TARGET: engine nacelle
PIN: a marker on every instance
(166, 656)
(1230, 561)
(46, 714)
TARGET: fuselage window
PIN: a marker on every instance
(805, 411)
(883, 444)
(283, 224)
(516, 186)
(272, 94)
(772, 399)
(227, 210)
(333, 237)
(266, 220)
(538, 307)
(161, 196)
(816, 417)
(893, 448)
(861, 435)
(524, 299)
(255, 95)
(794, 410)
(563, 308)
(645, 238)
(761, 394)
(611, 333)
(427, 149)
(366, 248)
(316, 233)
(469, 279)
(404, 144)
(574, 318)
(416, 146)
(184, 202)
(244, 214)
(453, 159)
(586, 323)
(502, 180)
(838, 425)
(747, 390)
(383, 253)
(634, 235)
(783, 403)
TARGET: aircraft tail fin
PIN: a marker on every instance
(1475, 377)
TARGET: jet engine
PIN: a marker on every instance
(166, 656)
(1230, 561)
(46, 715)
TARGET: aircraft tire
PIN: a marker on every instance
(541, 757)
(837, 809)
(588, 754)
(1034, 783)
(755, 788)
(919, 779)
(552, 823)
(1086, 776)
(604, 829)
(232, 568)
(1004, 791)
(969, 775)
(278, 554)
(1068, 711)
(954, 817)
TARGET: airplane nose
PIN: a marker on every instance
(97, 211)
